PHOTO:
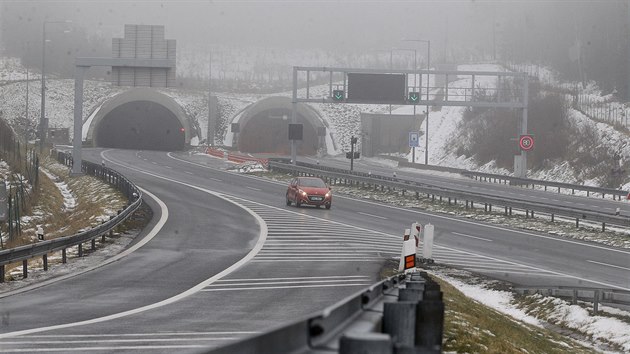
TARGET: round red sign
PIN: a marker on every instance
(526, 142)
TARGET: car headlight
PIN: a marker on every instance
(328, 195)
(303, 193)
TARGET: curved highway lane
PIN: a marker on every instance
(311, 258)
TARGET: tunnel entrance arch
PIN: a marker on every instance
(140, 118)
(264, 128)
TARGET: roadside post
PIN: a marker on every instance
(408, 254)
(40, 233)
(416, 229)
(427, 244)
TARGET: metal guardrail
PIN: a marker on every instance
(42, 248)
(596, 296)
(412, 324)
(517, 181)
(330, 173)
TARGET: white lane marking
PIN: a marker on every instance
(290, 282)
(215, 179)
(150, 235)
(488, 266)
(371, 215)
(84, 349)
(608, 265)
(289, 287)
(248, 257)
(188, 172)
(168, 167)
(296, 278)
(153, 162)
(322, 252)
(138, 334)
(302, 260)
(486, 226)
(475, 237)
(139, 340)
(253, 188)
(325, 251)
(514, 272)
(443, 217)
(552, 272)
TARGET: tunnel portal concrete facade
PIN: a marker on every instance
(264, 128)
(140, 118)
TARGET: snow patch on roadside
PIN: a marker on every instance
(69, 201)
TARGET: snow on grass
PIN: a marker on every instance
(501, 301)
(575, 317)
(599, 332)
(69, 201)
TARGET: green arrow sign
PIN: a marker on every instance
(338, 95)
(414, 96)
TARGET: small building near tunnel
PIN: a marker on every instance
(142, 117)
(263, 128)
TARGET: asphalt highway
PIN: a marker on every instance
(445, 180)
(231, 259)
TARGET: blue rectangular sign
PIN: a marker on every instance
(414, 138)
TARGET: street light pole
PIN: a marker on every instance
(27, 120)
(426, 125)
(426, 134)
(43, 122)
(42, 118)
(415, 67)
(211, 124)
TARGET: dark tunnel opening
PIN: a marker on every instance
(268, 132)
(141, 125)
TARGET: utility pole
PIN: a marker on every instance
(43, 122)
(42, 119)
(27, 120)
(415, 67)
(211, 122)
(426, 126)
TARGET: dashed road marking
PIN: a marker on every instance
(470, 236)
(608, 265)
(372, 215)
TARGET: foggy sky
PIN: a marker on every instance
(583, 39)
(290, 24)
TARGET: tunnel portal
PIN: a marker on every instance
(267, 132)
(141, 125)
(141, 119)
(264, 128)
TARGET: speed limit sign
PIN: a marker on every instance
(526, 142)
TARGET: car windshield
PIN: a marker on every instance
(312, 182)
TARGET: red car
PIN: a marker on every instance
(310, 191)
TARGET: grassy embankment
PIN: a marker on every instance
(95, 201)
